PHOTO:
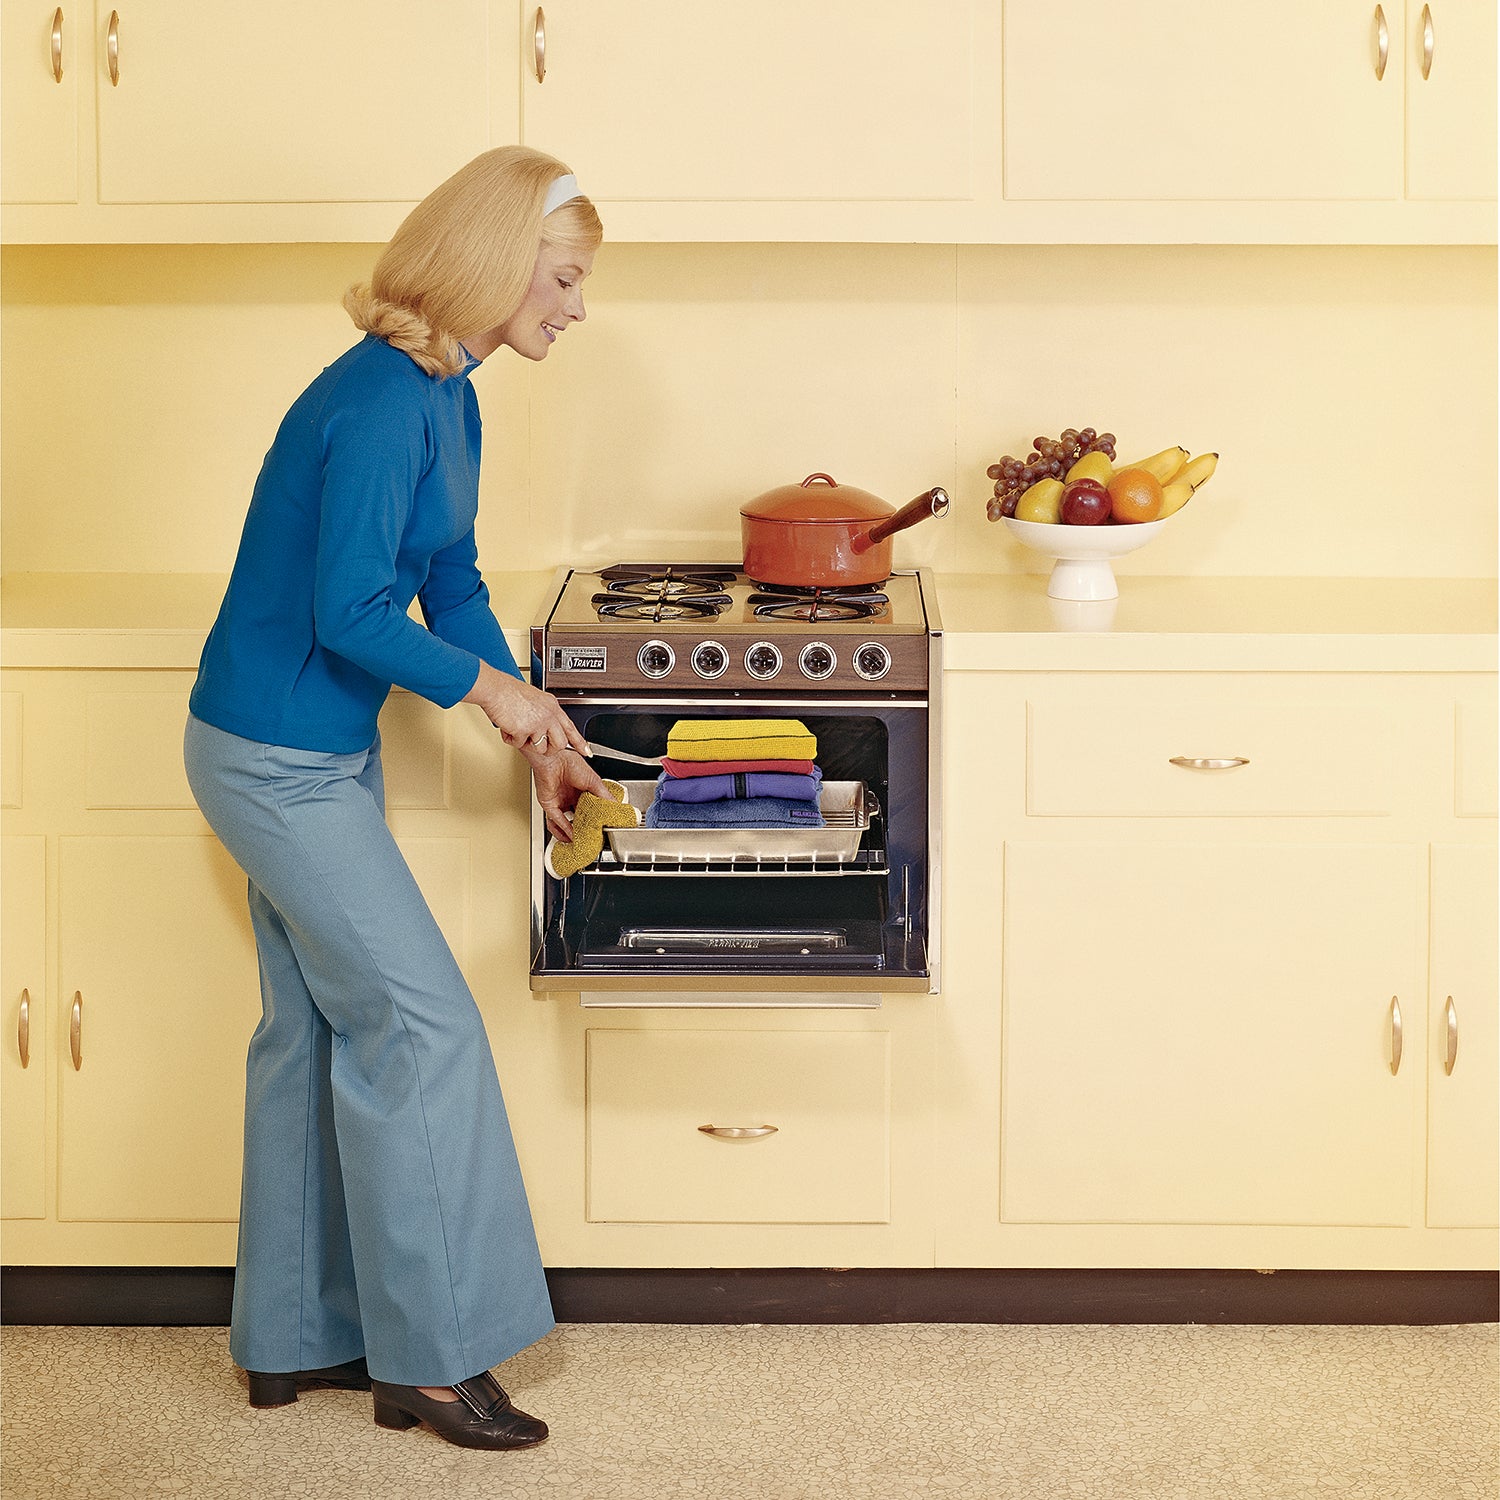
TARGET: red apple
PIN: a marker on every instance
(1085, 502)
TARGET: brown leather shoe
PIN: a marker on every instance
(281, 1389)
(482, 1417)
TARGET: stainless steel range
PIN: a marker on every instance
(756, 916)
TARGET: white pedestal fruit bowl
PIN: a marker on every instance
(1083, 554)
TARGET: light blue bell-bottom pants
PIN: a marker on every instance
(382, 1209)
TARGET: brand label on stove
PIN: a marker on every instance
(578, 659)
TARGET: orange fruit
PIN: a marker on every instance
(1134, 495)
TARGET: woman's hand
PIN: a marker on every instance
(561, 777)
(524, 715)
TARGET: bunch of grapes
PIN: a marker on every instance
(1050, 458)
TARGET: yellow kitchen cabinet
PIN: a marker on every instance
(40, 60)
(1188, 1017)
(1450, 99)
(202, 120)
(158, 997)
(773, 101)
(832, 1167)
(1217, 1048)
(281, 102)
(122, 1136)
(725, 1127)
(24, 1038)
(1288, 102)
(1463, 1069)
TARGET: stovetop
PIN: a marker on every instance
(708, 627)
(681, 597)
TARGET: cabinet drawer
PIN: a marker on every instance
(827, 1094)
(1299, 759)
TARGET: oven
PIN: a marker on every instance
(747, 916)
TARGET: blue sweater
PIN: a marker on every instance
(365, 501)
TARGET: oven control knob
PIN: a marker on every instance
(655, 659)
(872, 661)
(762, 661)
(817, 661)
(710, 659)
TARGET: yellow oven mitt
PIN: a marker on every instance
(591, 816)
(741, 739)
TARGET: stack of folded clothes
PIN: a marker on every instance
(738, 773)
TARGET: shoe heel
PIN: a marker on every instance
(272, 1390)
(387, 1415)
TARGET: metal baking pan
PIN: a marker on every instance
(847, 807)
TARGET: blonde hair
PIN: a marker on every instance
(462, 261)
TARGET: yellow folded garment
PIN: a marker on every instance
(591, 816)
(741, 739)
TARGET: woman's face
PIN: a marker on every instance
(553, 301)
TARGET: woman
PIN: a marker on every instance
(385, 1237)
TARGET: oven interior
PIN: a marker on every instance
(862, 916)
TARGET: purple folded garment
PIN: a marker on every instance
(739, 786)
(731, 812)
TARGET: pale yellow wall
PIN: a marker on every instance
(1352, 392)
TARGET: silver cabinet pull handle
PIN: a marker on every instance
(1198, 763)
(23, 1030)
(1395, 1036)
(1427, 40)
(75, 1030)
(1382, 42)
(539, 44)
(737, 1132)
(112, 47)
(1451, 1016)
(57, 45)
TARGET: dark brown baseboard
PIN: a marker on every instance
(199, 1296)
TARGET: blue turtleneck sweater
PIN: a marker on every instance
(365, 501)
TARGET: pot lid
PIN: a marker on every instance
(819, 497)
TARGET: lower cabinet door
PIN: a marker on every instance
(157, 949)
(801, 1127)
(1463, 1155)
(1202, 1033)
(23, 1031)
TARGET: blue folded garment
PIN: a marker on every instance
(742, 812)
(741, 785)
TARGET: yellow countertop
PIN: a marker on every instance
(1007, 623)
(991, 622)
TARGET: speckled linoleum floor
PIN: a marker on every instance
(886, 1412)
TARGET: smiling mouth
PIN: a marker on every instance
(551, 332)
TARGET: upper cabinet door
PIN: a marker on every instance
(1450, 113)
(825, 100)
(1169, 99)
(39, 100)
(285, 102)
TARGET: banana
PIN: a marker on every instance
(1163, 467)
(1200, 470)
(1174, 496)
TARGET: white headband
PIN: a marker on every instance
(562, 189)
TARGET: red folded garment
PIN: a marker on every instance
(733, 767)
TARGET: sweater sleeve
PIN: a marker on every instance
(456, 605)
(371, 464)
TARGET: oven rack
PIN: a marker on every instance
(865, 861)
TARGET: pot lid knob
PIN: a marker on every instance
(826, 478)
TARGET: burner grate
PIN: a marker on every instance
(647, 592)
(785, 602)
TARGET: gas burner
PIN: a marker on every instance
(785, 602)
(660, 592)
(620, 606)
(647, 581)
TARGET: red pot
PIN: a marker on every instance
(822, 534)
